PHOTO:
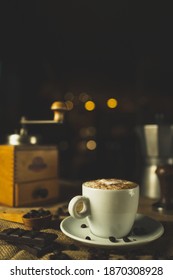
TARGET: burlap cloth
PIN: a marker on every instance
(161, 248)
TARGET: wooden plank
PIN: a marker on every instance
(7, 175)
(12, 215)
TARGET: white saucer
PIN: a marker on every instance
(145, 230)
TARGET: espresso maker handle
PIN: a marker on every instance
(165, 176)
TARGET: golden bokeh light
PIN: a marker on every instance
(112, 103)
(91, 145)
(89, 105)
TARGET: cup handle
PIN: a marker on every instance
(74, 202)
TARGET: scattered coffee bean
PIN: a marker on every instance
(37, 213)
(126, 239)
(112, 239)
(88, 238)
(83, 226)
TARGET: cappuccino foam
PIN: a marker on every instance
(110, 184)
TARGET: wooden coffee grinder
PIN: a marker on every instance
(28, 170)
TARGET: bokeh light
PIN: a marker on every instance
(91, 145)
(112, 103)
(89, 105)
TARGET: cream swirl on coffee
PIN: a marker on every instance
(110, 184)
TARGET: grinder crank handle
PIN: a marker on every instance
(58, 108)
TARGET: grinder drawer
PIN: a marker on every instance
(35, 164)
(36, 193)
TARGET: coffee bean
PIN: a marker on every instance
(126, 239)
(83, 226)
(33, 211)
(27, 216)
(112, 239)
(88, 238)
(37, 213)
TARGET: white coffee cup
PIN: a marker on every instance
(109, 205)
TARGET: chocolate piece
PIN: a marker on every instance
(16, 232)
(27, 237)
(37, 251)
(7, 232)
(31, 234)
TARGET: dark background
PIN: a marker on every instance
(120, 49)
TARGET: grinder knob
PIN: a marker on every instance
(59, 108)
(165, 176)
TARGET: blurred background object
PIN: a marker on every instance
(110, 63)
(156, 148)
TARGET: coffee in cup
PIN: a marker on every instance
(109, 205)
